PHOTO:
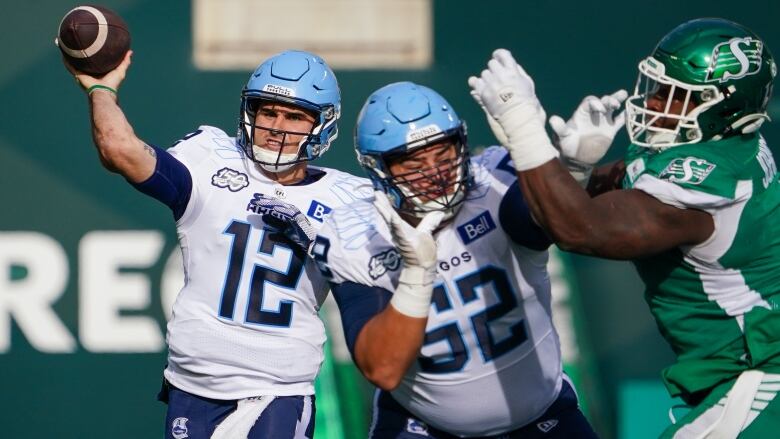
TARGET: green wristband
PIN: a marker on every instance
(100, 87)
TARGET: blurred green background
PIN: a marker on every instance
(52, 186)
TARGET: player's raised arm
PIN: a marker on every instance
(120, 150)
(390, 341)
(639, 225)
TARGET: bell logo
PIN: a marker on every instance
(318, 211)
(476, 227)
(735, 59)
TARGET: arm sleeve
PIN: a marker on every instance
(358, 304)
(171, 183)
(516, 220)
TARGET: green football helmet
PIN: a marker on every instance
(706, 80)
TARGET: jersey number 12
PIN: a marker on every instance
(269, 242)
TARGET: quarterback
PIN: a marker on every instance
(245, 341)
(442, 284)
(695, 204)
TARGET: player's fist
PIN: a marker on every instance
(416, 244)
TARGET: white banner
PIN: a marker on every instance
(351, 34)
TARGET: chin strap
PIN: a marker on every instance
(750, 123)
(746, 125)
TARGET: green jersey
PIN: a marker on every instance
(716, 303)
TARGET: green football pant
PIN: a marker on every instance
(745, 407)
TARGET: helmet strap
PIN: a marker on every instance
(750, 123)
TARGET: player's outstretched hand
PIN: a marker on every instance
(503, 85)
(112, 79)
(498, 131)
(587, 135)
(416, 244)
(508, 95)
(285, 218)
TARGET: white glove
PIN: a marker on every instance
(494, 126)
(418, 250)
(507, 94)
(587, 135)
(286, 218)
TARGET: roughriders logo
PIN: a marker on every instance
(381, 263)
(689, 170)
(734, 59)
(231, 179)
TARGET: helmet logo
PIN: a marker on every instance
(279, 90)
(735, 59)
(422, 133)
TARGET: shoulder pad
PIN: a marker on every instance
(691, 167)
(202, 143)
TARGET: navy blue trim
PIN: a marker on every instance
(515, 217)
(312, 176)
(171, 183)
(358, 304)
(562, 420)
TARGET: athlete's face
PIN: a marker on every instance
(431, 170)
(280, 126)
(659, 99)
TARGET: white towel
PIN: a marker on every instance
(237, 424)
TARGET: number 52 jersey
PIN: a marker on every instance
(490, 361)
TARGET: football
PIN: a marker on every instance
(93, 39)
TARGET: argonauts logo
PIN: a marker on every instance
(179, 428)
(381, 263)
(416, 427)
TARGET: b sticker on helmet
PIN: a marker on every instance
(689, 170)
(734, 59)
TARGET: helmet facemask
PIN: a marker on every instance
(664, 112)
(417, 191)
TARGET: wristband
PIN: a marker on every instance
(413, 295)
(100, 87)
(528, 143)
(580, 171)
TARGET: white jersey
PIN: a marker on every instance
(491, 359)
(245, 323)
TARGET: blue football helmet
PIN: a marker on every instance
(298, 78)
(398, 120)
